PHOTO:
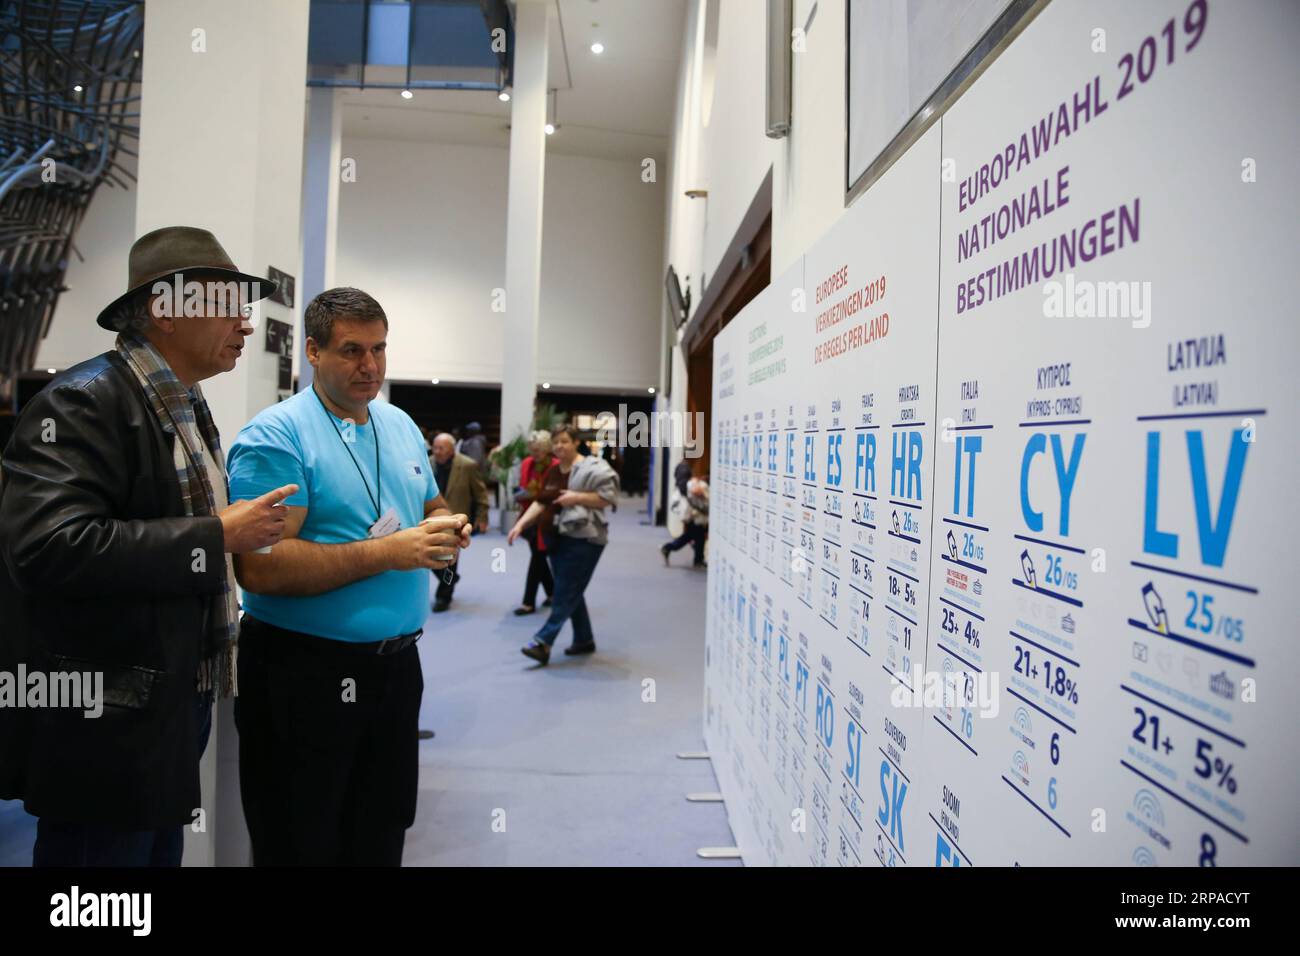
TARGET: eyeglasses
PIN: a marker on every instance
(227, 310)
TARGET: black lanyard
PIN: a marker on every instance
(379, 477)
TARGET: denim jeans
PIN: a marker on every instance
(92, 844)
(573, 560)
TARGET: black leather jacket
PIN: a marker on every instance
(102, 572)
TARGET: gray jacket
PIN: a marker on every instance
(579, 521)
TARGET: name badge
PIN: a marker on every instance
(386, 525)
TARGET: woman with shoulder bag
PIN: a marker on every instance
(570, 509)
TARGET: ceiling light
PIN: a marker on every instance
(598, 48)
(504, 96)
(546, 385)
(434, 381)
(651, 389)
(407, 94)
(51, 370)
(77, 88)
(550, 128)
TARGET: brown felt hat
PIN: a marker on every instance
(165, 252)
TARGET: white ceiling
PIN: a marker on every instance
(618, 104)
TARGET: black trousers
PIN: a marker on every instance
(694, 535)
(539, 572)
(328, 748)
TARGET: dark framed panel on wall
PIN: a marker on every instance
(906, 62)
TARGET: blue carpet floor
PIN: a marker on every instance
(564, 765)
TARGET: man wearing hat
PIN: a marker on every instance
(116, 531)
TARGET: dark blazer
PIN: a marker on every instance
(103, 571)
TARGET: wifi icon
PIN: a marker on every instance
(1148, 807)
(1143, 856)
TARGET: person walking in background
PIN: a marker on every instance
(681, 475)
(532, 476)
(693, 509)
(571, 508)
(461, 481)
(474, 444)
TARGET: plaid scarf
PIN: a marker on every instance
(184, 414)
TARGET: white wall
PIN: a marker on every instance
(736, 153)
(719, 141)
(423, 229)
(808, 174)
(602, 284)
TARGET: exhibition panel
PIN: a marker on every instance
(1003, 480)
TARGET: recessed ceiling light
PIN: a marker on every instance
(550, 128)
(651, 389)
(504, 96)
(407, 94)
(434, 381)
(51, 371)
(546, 385)
(598, 47)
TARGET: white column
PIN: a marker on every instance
(687, 226)
(524, 218)
(322, 169)
(221, 149)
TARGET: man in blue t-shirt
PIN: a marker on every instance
(329, 675)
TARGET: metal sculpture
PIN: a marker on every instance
(69, 95)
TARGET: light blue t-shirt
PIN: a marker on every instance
(295, 442)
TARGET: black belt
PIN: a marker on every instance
(389, 645)
(385, 647)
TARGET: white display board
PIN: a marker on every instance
(1003, 485)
